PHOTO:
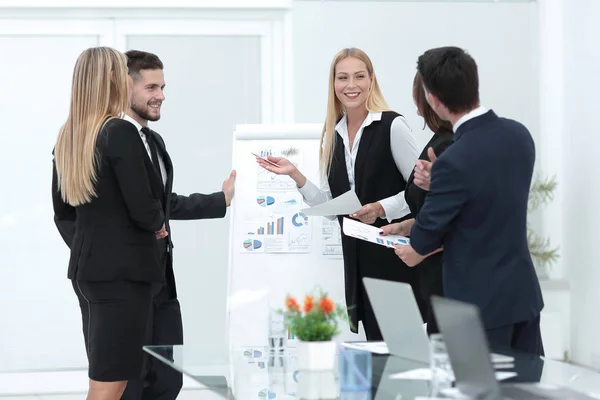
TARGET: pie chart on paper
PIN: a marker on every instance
(252, 244)
(252, 353)
(299, 219)
(265, 201)
(266, 394)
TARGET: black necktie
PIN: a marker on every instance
(150, 138)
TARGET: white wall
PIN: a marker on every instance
(501, 37)
(33, 268)
(556, 316)
(581, 217)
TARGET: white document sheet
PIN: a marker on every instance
(344, 204)
(373, 347)
(430, 398)
(371, 234)
(425, 374)
(500, 361)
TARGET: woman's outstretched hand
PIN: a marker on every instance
(283, 167)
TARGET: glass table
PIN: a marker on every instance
(258, 373)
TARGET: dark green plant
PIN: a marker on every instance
(542, 253)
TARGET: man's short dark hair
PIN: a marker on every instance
(138, 60)
(450, 74)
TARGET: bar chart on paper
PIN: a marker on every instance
(270, 228)
(392, 243)
(276, 227)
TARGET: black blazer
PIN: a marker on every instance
(477, 209)
(430, 269)
(175, 207)
(113, 236)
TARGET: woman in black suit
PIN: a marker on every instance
(430, 269)
(104, 184)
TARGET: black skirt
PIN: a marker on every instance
(115, 317)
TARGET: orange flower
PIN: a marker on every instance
(292, 304)
(308, 304)
(326, 304)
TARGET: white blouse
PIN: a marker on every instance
(404, 152)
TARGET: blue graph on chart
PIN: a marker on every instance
(250, 244)
(252, 353)
(392, 243)
(265, 201)
(266, 394)
(299, 220)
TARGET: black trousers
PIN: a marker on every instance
(524, 337)
(431, 283)
(165, 327)
(432, 326)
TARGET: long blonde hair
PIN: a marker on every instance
(98, 93)
(375, 103)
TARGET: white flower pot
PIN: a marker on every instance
(316, 356)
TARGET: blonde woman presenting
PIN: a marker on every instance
(103, 180)
(370, 149)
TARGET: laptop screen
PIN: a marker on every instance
(467, 346)
(399, 319)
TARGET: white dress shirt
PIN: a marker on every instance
(470, 115)
(163, 170)
(404, 152)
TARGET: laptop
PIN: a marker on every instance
(400, 321)
(467, 347)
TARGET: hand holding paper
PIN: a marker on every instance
(372, 234)
(344, 204)
(369, 213)
(399, 228)
(409, 255)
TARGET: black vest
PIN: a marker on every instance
(373, 181)
(376, 177)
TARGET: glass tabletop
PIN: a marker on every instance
(257, 372)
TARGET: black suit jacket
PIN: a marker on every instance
(430, 269)
(175, 207)
(477, 209)
(112, 237)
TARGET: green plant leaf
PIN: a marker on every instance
(542, 254)
(315, 325)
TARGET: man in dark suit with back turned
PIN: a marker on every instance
(477, 205)
(165, 325)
